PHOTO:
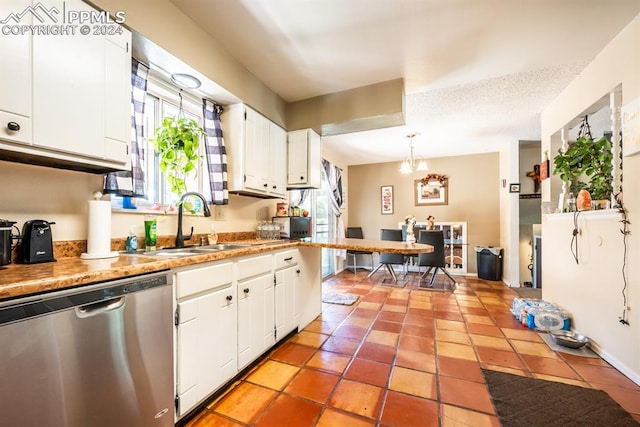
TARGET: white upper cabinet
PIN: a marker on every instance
(80, 87)
(256, 152)
(278, 161)
(15, 77)
(304, 159)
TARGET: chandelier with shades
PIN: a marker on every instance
(409, 165)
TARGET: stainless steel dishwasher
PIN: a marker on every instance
(97, 355)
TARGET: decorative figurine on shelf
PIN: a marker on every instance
(431, 223)
(535, 176)
(410, 221)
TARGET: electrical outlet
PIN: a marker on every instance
(220, 213)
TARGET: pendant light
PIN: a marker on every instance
(409, 165)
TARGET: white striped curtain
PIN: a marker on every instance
(216, 153)
(333, 175)
(131, 182)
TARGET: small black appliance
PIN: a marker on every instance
(37, 242)
(294, 227)
(5, 241)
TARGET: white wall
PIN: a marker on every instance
(509, 214)
(592, 290)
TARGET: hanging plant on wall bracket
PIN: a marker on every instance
(177, 142)
(588, 158)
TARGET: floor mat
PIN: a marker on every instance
(523, 401)
(583, 351)
(335, 298)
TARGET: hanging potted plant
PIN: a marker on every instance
(587, 158)
(177, 142)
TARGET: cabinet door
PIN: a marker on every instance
(15, 76)
(304, 168)
(206, 346)
(256, 164)
(278, 161)
(118, 99)
(79, 86)
(297, 157)
(287, 301)
(255, 318)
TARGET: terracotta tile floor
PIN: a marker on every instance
(403, 356)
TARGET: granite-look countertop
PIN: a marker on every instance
(18, 280)
(371, 245)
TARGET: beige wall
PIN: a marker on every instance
(592, 290)
(35, 192)
(473, 197)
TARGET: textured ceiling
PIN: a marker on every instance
(477, 73)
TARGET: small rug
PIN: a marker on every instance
(335, 298)
(523, 401)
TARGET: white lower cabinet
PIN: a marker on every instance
(287, 306)
(229, 313)
(255, 318)
(206, 339)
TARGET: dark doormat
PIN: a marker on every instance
(522, 401)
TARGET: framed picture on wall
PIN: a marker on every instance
(432, 193)
(386, 199)
(514, 188)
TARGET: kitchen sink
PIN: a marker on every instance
(173, 252)
(178, 252)
(226, 246)
(191, 250)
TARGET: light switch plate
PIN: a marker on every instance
(220, 213)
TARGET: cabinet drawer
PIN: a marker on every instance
(23, 135)
(190, 282)
(254, 266)
(287, 258)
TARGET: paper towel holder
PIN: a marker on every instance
(97, 196)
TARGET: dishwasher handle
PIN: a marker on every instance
(100, 307)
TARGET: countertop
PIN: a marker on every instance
(19, 279)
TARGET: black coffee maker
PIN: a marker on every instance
(5, 241)
(37, 242)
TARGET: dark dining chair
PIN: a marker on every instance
(435, 259)
(387, 260)
(356, 233)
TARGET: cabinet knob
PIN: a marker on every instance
(13, 126)
(274, 187)
(246, 290)
(298, 271)
(266, 185)
(229, 297)
(302, 177)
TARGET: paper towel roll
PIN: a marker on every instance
(99, 230)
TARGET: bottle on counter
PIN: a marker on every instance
(131, 244)
(212, 237)
(150, 225)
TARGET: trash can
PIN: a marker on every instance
(489, 262)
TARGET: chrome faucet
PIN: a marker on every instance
(180, 239)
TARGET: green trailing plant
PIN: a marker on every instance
(587, 158)
(177, 142)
